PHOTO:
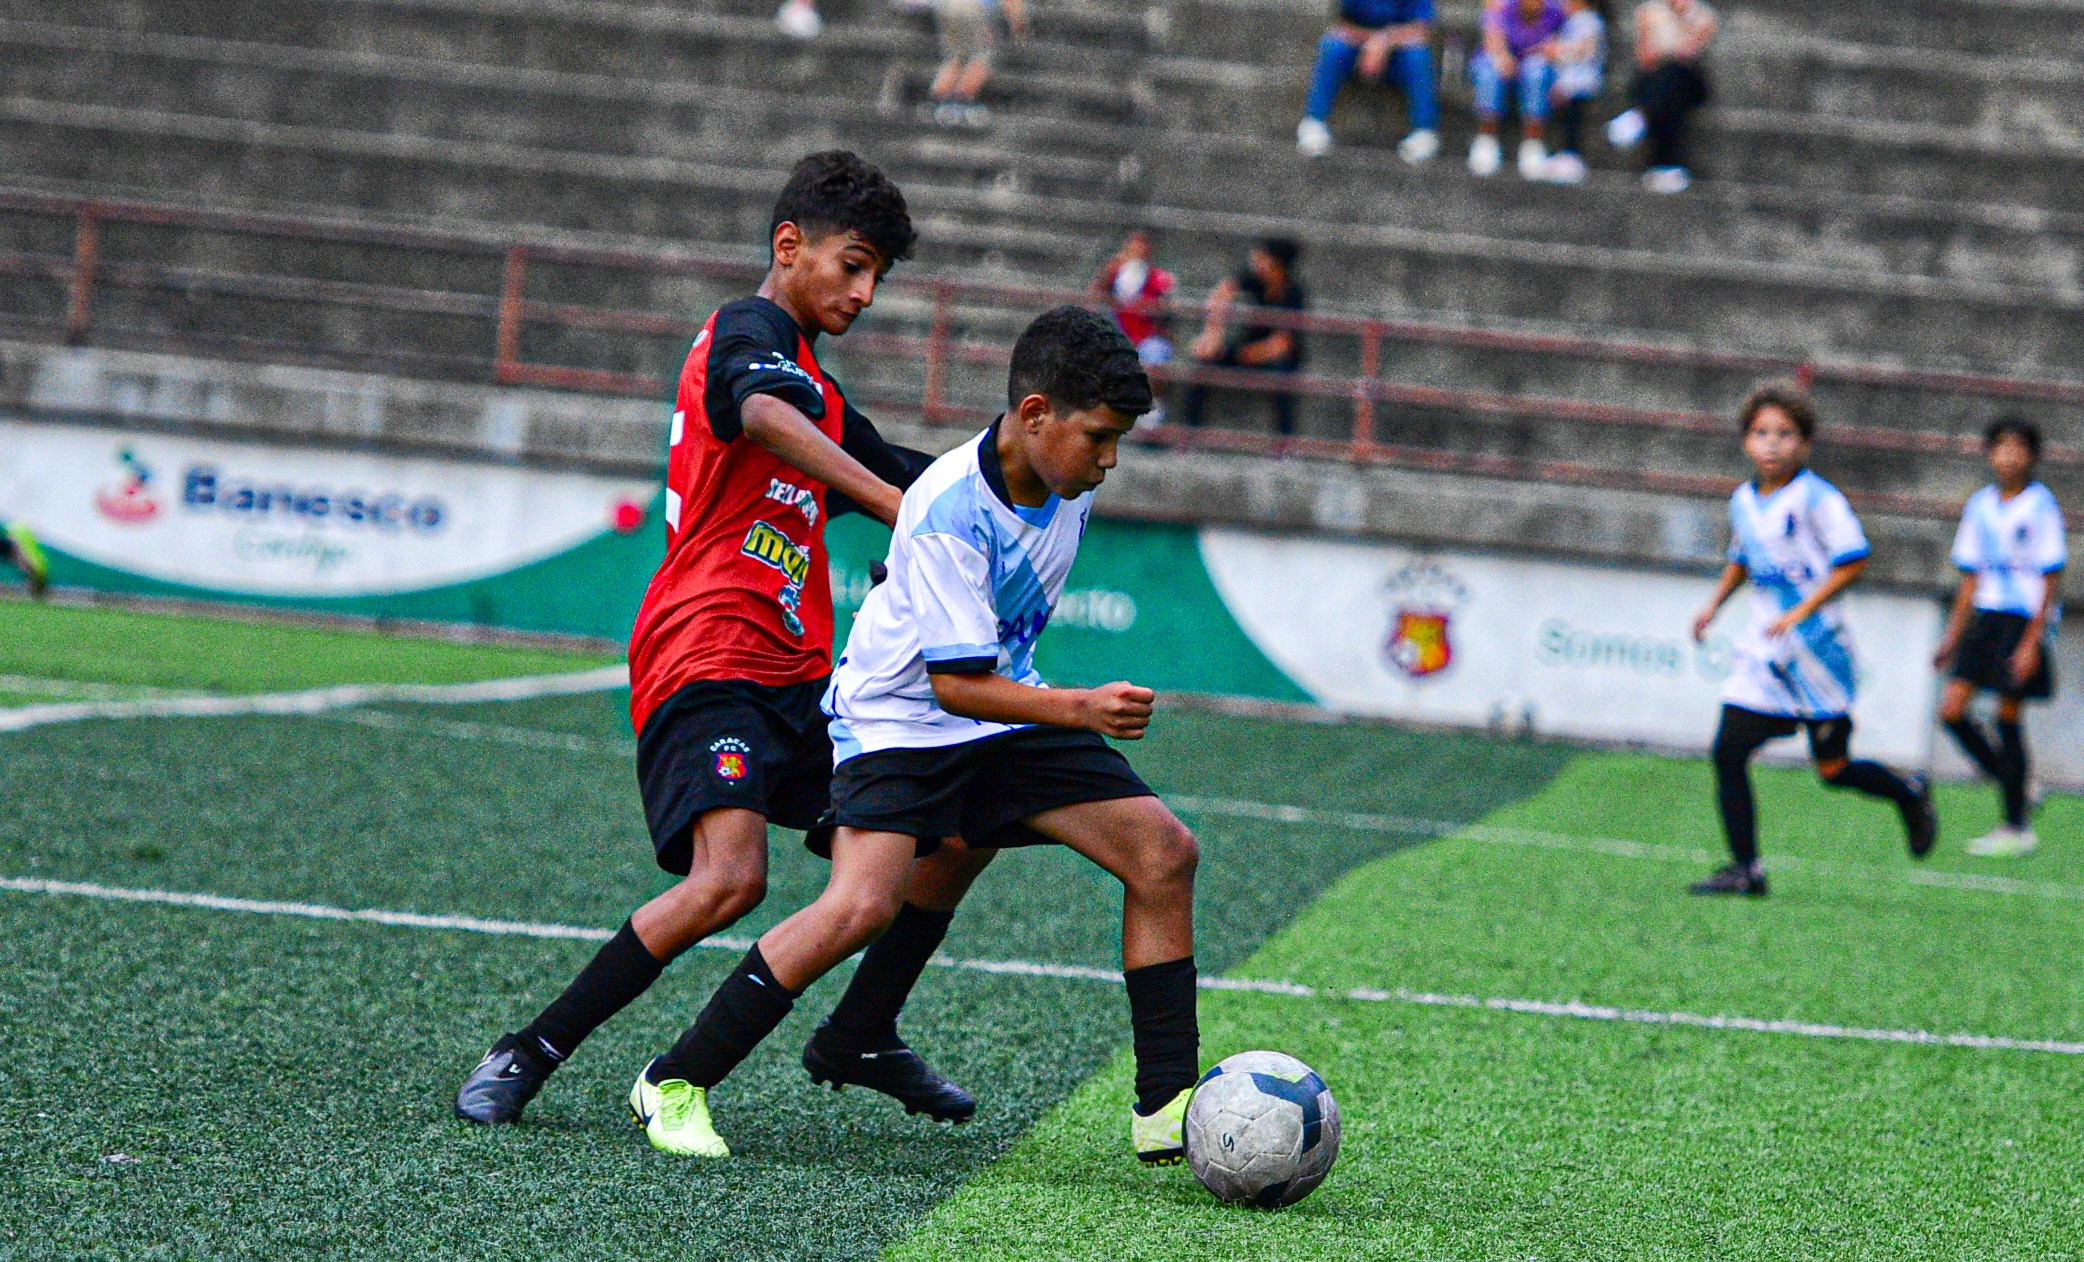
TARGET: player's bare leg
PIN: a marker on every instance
(728, 878)
(858, 1045)
(1144, 846)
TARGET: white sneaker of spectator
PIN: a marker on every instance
(1565, 168)
(800, 18)
(1420, 146)
(1534, 159)
(1627, 129)
(1485, 156)
(2006, 841)
(1312, 138)
(1667, 179)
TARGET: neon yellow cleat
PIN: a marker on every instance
(28, 554)
(675, 1115)
(1161, 1138)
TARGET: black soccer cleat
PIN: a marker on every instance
(897, 1072)
(502, 1084)
(1920, 818)
(1732, 878)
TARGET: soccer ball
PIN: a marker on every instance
(1262, 1129)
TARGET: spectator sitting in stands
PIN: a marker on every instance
(1268, 280)
(1385, 39)
(1513, 61)
(1137, 289)
(967, 45)
(1671, 38)
(1578, 53)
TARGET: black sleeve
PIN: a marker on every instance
(899, 466)
(753, 351)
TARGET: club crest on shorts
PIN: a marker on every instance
(1422, 598)
(730, 757)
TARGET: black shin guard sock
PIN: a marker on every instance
(1167, 1030)
(2012, 778)
(1739, 810)
(865, 1019)
(619, 972)
(744, 1010)
(1874, 780)
(1970, 738)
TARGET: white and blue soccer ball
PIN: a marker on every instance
(1262, 1129)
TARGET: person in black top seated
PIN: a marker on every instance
(1268, 280)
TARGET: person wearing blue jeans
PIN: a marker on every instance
(1513, 62)
(1388, 41)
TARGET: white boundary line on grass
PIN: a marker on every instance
(1027, 968)
(319, 700)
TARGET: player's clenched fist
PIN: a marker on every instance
(1121, 710)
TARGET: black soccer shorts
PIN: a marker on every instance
(726, 743)
(979, 790)
(1985, 657)
(1742, 730)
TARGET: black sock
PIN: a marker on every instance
(865, 1019)
(1167, 1031)
(1973, 743)
(1874, 780)
(1739, 809)
(620, 971)
(744, 1010)
(2013, 777)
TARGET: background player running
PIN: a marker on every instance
(942, 726)
(733, 643)
(1795, 539)
(19, 548)
(2012, 547)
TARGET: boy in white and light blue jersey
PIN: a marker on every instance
(2011, 548)
(945, 736)
(1796, 540)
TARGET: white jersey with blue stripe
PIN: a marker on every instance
(2012, 546)
(1788, 543)
(973, 580)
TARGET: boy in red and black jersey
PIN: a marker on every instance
(733, 647)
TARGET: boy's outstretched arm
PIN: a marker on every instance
(784, 430)
(1841, 577)
(1733, 576)
(1119, 710)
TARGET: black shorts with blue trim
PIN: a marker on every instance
(1984, 657)
(719, 743)
(979, 790)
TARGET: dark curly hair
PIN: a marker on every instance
(2019, 427)
(838, 191)
(1078, 359)
(1789, 397)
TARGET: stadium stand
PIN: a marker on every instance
(1888, 187)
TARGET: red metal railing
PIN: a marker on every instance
(85, 268)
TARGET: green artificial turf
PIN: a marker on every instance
(120, 647)
(283, 1084)
(1474, 1133)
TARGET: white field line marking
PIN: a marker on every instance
(319, 700)
(74, 690)
(1078, 972)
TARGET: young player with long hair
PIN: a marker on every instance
(2011, 548)
(733, 644)
(1795, 539)
(942, 727)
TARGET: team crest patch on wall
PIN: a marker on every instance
(730, 757)
(1422, 598)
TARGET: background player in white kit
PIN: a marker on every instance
(942, 729)
(1795, 539)
(2012, 548)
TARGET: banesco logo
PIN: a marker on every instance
(204, 489)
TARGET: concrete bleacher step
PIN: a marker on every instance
(2012, 28)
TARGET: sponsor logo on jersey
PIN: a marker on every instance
(769, 546)
(775, 363)
(796, 497)
(1422, 599)
(730, 757)
(129, 501)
